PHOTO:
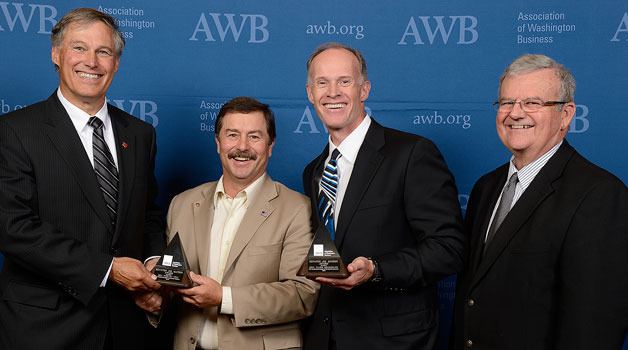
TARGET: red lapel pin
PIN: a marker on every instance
(125, 145)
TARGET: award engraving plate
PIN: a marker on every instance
(173, 268)
(323, 259)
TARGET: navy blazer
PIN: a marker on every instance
(400, 208)
(555, 275)
(55, 233)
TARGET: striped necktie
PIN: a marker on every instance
(105, 168)
(327, 195)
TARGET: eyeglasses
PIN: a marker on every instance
(527, 105)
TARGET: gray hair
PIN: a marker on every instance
(336, 45)
(532, 62)
(87, 16)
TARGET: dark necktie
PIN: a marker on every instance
(327, 195)
(504, 207)
(105, 168)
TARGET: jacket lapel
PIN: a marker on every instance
(315, 180)
(366, 164)
(203, 210)
(125, 149)
(255, 215)
(63, 135)
(541, 187)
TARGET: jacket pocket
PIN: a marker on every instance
(380, 201)
(282, 339)
(32, 295)
(407, 323)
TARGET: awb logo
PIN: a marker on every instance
(309, 122)
(461, 29)
(144, 110)
(622, 29)
(17, 16)
(580, 121)
(228, 26)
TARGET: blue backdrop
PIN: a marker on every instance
(434, 68)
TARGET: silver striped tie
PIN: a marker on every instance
(105, 168)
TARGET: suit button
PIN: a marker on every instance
(468, 343)
(470, 302)
(192, 340)
(113, 251)
(326, 320)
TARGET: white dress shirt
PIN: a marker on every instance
(348, 149)
(80, 118)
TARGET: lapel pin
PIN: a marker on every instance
(264, 213)
(125, 145)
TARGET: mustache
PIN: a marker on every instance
(242, 154)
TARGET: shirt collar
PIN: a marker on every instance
(350, 146)
(529, 172)
(249, 193)
(80, 118)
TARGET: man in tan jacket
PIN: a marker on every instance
(245, 237)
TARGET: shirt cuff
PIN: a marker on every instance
(226, 306)
(104, 280)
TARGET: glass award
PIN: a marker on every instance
(323, 259)
(173, 268)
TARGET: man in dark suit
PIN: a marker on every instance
(77, 205)
(397, 218)
(547, 258)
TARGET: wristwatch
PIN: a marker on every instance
(377, 274)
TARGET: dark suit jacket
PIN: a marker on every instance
(400, 208)
(555, 275)
(55, 233)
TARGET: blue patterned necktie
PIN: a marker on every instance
(327, 195)
(105, 168)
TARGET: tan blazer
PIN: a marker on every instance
(268, 249)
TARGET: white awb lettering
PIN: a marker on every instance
(435, 27)
(46, 16)
(622, 28)
(228, 26)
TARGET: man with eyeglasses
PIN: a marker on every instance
(396, 218)
(546, 265)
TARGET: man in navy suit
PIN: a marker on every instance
(77, 211)
(546, 263)
(397, 218)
